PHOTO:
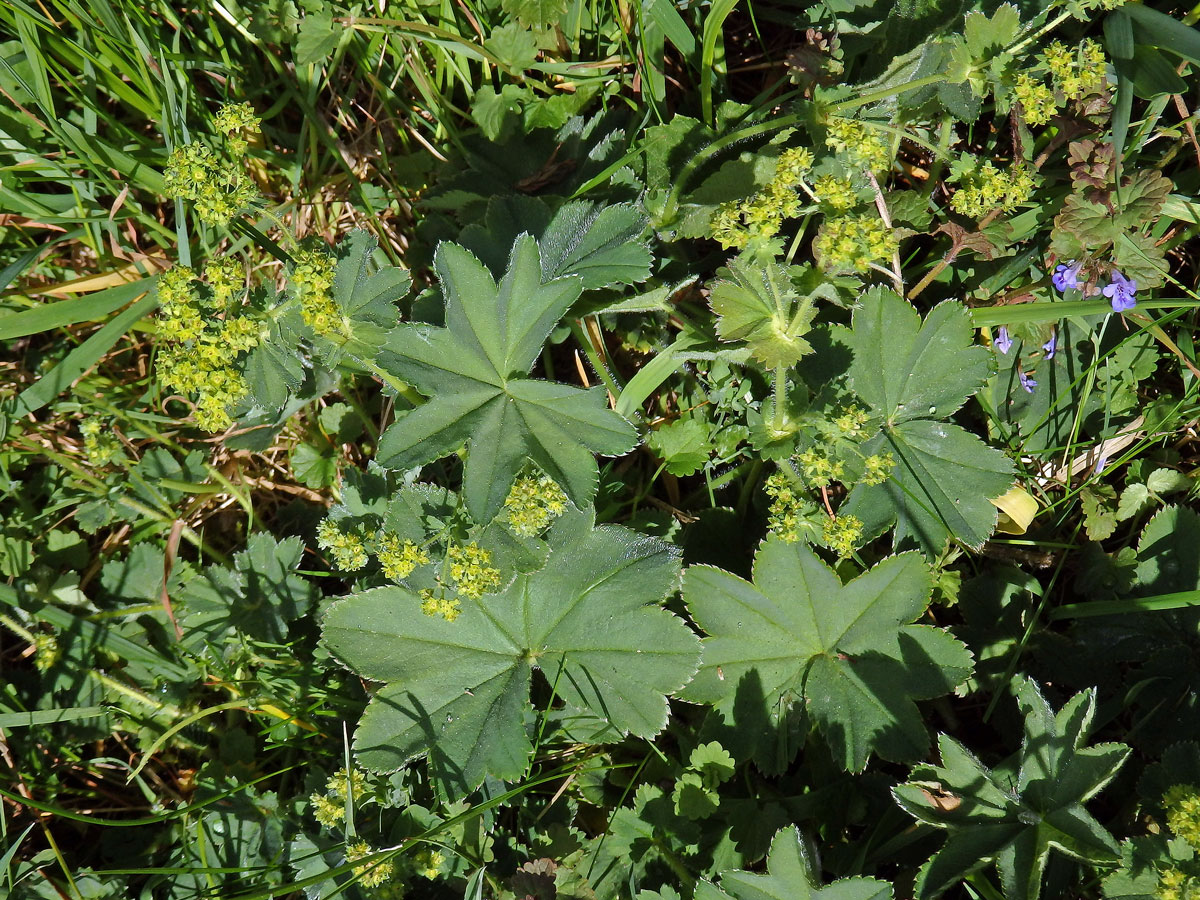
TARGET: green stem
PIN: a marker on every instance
(780, 386)
(1045, 29)
(594, 358)
(400, 387)
(883, 93)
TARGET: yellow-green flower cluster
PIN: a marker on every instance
(398, 558)
(46, 649)
(1036, 99)
(217, 184)
(1079, 72)
(818, 469)
(836, 193)
(439, 604)
(532, 503)
(208, 333)
(371, 874)
(231, 120)
(471, 570)
(852, 243)
(992, 189)
(99, 445)
(1175, 884)
(761, 215)
(428, 862)
(842, 534)
(877, 468)
(312, 283)
(330, 808)
(348, 549)
(852, 422)
(1182, 803)
(787, 507)
(863, 146)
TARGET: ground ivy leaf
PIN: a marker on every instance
(475, 372)
(459, 690)
(1014, 823)
(847, 650)
(912, 376)
(790, 875)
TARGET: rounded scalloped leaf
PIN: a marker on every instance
(590, 620)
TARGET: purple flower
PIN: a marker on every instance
(1003, 342)
(1121, 292)
(1051, 346)
(1026, 382)
(1066, 275)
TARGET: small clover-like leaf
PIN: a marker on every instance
(459, 691)
(1015, 823)
(475, 372)
(847, 650)
(913, 375)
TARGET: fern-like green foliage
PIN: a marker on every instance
(475, 372)
(1014, 817)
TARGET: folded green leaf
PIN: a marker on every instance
(791, 875)
(1014, 822)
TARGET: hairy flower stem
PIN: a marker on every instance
(1044, 30)
(881, 205)
(778, 419)
(884, 93)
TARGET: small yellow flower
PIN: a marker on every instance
(842, 534)
(471, 570)
(371, 874)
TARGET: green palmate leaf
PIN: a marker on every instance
(589, 620)
(601, 244)
(256, 598)
(985, 37)
(535, 13)
(366, 295)
(684, 445)
(1014, 822)
(847, 650)
(790, 875)
(759, 303)
(475, 372)
(912, 376)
